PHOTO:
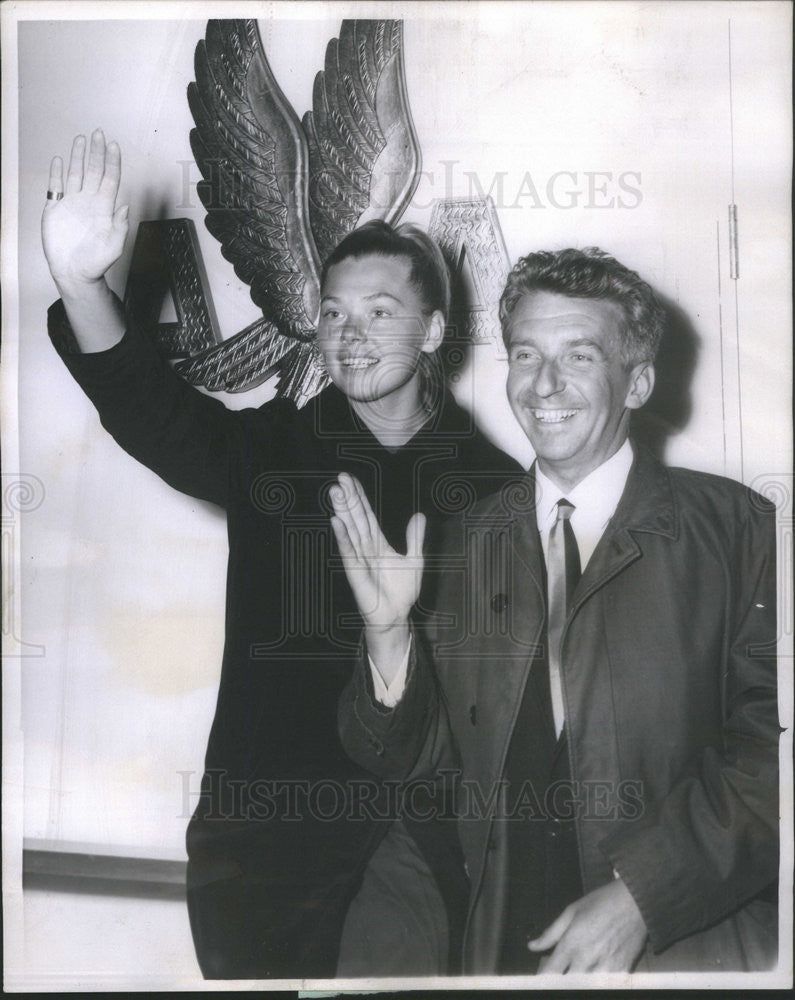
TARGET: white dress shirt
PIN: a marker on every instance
(595, 500)
(390, 695)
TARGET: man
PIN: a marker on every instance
(286, 823)
(607, 686)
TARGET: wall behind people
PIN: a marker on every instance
(587, 124)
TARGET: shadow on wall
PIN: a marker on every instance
(669, 410)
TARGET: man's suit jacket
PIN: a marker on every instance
(669, 678)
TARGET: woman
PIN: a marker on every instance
(287, 825)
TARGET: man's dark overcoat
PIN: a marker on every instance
(669, 677)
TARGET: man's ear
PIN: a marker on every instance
(434, 333)
(641, 385)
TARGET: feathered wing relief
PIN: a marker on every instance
(279, 200)
(364, 159)
(240, 362)
(251, 150)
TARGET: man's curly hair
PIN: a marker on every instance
(590, 274)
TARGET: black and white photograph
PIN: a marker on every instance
(397, 495)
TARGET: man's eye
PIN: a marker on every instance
(380, 313)
(581, 357)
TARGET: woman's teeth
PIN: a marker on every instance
(359, 362)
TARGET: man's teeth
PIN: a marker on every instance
(553, 416)
(359, 362)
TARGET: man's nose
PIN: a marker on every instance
(548, 379)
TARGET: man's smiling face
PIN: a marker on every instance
(372, 329)
(567, 384)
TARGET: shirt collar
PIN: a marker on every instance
(595, 498)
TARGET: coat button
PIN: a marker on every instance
(473, 714)
(499, 603)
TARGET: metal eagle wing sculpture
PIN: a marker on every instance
(279, 196)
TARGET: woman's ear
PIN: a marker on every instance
(434, 333)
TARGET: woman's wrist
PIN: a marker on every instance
(81, 290)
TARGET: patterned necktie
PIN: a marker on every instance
(563, 572)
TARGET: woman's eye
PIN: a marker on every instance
(380, 313)
(331, 314)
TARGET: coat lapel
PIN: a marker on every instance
(647, 505)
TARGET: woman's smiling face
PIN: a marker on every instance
(372, 327)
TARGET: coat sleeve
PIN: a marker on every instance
(712, 843)
(410, 741)
(184, 436)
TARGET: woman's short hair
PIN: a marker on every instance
(428, 274)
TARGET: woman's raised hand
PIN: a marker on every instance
(384, 583)
(83, 232)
